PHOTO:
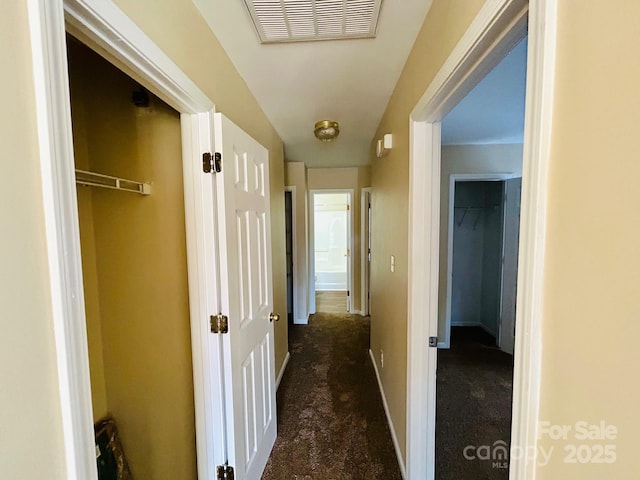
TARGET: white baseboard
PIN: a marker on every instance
(300, 321)
(394, 437)
(356, 312)
(282, 369)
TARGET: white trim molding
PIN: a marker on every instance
(499, 25)
(104, 27)
(46, 20)
(312, 256)
(365, 228)
(533, 224)
(392, 429)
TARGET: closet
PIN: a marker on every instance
(477, 253)
(134, 265)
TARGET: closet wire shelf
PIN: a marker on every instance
(91, 179)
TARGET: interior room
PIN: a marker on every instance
(331, 251)
(135, 267)
(477, 255)
(480, 215)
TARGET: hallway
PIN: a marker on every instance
(331, 421)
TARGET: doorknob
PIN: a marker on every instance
(274, 317)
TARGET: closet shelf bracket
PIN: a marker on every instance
(91, 179)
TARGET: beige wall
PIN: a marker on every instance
(591, 311)
(467, 159)
(31, 444)
(446, 21)
(134, 251)
(177, 27)
(350, 178)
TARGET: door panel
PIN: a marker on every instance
(510, 264)
(245, 247)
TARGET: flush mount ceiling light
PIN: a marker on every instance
(307, 20)
(326, 130)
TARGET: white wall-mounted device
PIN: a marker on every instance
(384, 145)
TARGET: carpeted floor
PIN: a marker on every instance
(331, 422)
(474, 390)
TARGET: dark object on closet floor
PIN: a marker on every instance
(112, 464)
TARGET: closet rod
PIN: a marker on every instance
(92, 179)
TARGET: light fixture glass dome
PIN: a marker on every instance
(326, 130)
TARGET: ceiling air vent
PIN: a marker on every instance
(279, 21)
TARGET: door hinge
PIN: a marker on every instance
(211, 162)
(348, 293)
(219, 323)
(433, 341)
(225, 472)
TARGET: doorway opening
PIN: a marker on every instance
(365, 250)
(480, 245)
(479, 235)
(290, 252)
(475, 368)
(496, 29)
(134, 264)
(331, 248)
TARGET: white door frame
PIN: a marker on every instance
(294, 251)
(453, 179)
(312, 255)
(103, 26)
(495, 30)
(365, 229)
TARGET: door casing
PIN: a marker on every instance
(294, 250)
(104, 27)
(312, 257)
(453, 179)
(497, 27)
(365, 239)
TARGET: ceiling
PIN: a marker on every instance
(297, 84)
(493, 112)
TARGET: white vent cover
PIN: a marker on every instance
(308, 20)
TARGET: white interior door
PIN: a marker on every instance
(247, 296)
(510, 264)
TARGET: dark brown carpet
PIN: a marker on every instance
(474, 390)
(331, 422)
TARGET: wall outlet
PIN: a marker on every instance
(381, 359)
(393, 263)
